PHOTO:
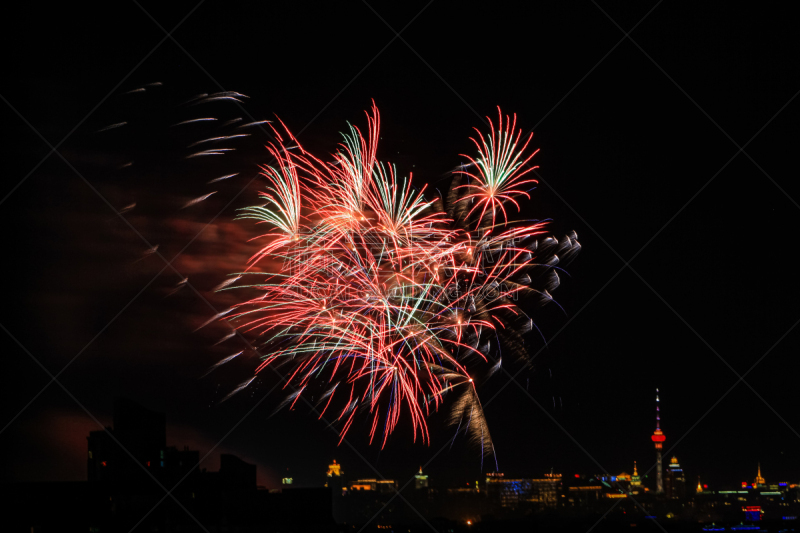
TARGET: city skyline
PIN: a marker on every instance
(127, 465)
(648, 479)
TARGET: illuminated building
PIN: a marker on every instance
(623, 481)
(676, 481)
(699, 485)
(335, 469)
(547, 489)
(378, 485)
(658, 439)
(752, 513)
(636, 481)
(335, 477)
(579, 495)
(760, 481)
(420, 480)
(515, 493)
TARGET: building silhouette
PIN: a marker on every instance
(138, 437)
(136, 482)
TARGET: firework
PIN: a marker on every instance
(382, 301)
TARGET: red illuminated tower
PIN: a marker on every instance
(658, 438)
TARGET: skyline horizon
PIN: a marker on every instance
(211, 463)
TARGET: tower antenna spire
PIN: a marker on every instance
(636, 481)
(760, 480)
(658, 439)
(658, 412)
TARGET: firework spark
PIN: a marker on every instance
(382, 298)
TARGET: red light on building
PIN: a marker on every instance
(744, 484)
(148, 463)
(104, 463)
(658, 437)
(577, 475)
(705, 486)
(752, 512)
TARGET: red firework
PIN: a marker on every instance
(382, 298)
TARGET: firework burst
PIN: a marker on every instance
(379, 300)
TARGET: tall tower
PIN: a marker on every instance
(636, 481)
(658, 439)
(421, 480)
(760, 481)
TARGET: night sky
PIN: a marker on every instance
(641, 155)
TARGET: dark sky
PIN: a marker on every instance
(640, 142)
